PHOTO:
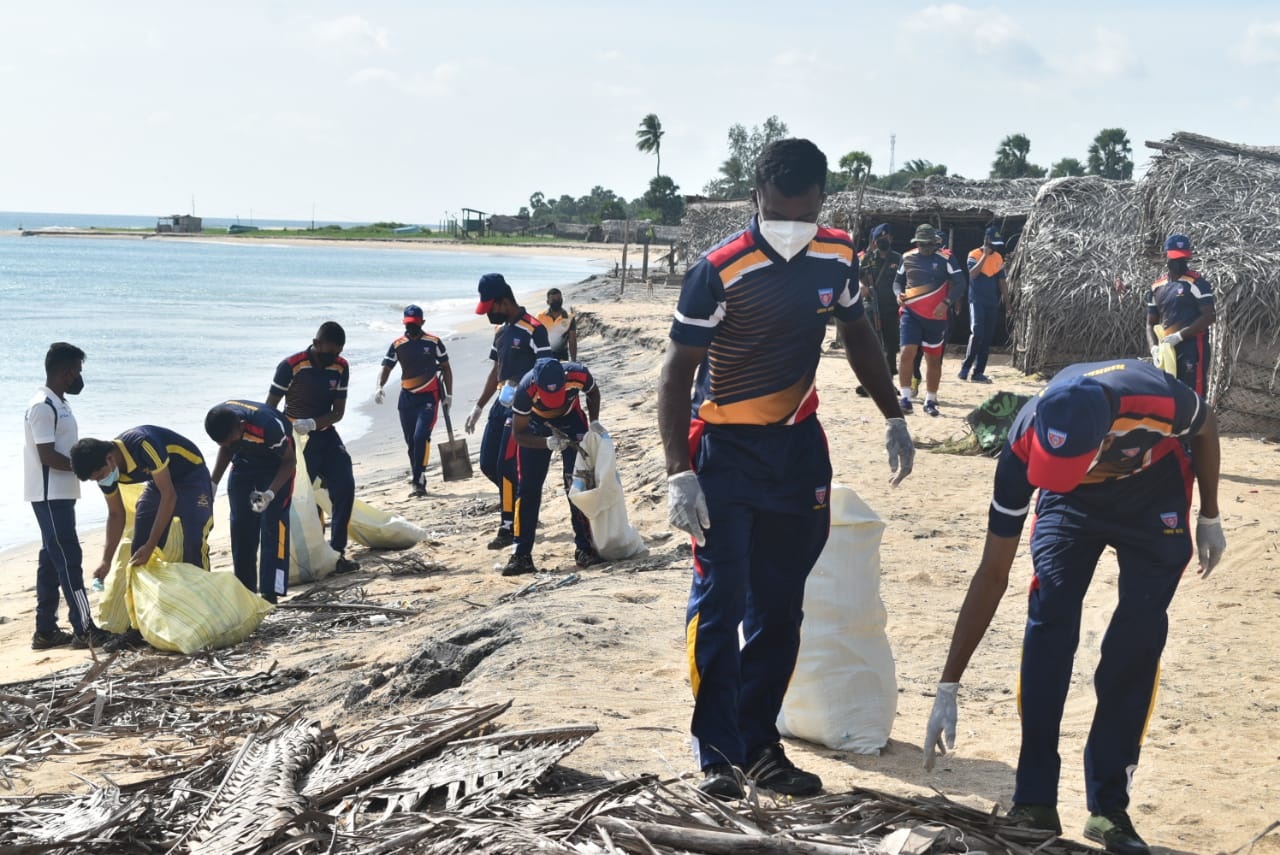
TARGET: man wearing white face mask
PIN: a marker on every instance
(748, 470)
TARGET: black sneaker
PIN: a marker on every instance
(129, 640)
(1039, 817)
(518, 565)
(981, 378)
(720, 781)
(48, 640)
(905, 404)
(94, 636)
(861, 392)
(931, 408)
(502, 539)
(418, 492)
(585, 558)
(771, 770)
(963, 375)
(345, 565)
(1115, 832)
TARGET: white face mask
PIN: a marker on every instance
(787, 237)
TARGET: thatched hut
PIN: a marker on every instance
(1225, 197)
(1082, 234)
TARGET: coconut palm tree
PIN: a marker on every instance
(649, 137)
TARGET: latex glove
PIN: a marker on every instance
(1155, 355)
(902, 453)
(1210, 542)
(304, 426)
(258, 501)
(1173, 339)
(446, 401)
(470, 425)
(942, 723)
(379, 396)
(687, 506)
(507, 395)
(558, 442)
(598, 429)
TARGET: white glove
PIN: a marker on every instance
(1155, 355)
(304, 426)
(379, 395)
(446, 401)
(558, 442)
(258, 501)
(598, 429)
(1210, 543)
(1173, 339)
(902, 453)
(942, 723)
(687, 506)
(470, 426)
(507, 395)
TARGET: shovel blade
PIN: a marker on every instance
(455, 460)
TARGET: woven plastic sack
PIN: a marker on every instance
(843, 693)
(374, 528)
(597, 492)
(311, 558)
(184, 608)
(113, 605)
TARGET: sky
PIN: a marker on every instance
(407, 111)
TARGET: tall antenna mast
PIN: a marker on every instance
(893, 141)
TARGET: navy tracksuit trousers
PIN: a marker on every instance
(767, 491)
(1152, 541)
(266, 533)
(533, 466)
(194, 511)
(498, 461)
(60, 568)
(418, 413)
(983, 317)
(327, 459)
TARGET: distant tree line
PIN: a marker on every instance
(1110, 156)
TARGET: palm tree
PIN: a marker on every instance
(649, 137)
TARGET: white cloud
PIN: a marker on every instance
(984, 32)
(1261, 44)
(352, 33)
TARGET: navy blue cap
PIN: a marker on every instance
(548, 376)
(492, 287)
(882, 229)
(412, 314)
(994, 237)
(1072, 420)
(1177, 246)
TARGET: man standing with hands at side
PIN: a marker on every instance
(748, 471)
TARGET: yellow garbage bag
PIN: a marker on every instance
(374, 528)
(184, 608)
(113, 606)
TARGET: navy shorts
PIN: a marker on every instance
(930, 335)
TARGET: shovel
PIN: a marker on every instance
(455, 460)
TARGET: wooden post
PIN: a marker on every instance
(644, 265)
(626, 237)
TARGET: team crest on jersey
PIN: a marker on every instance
(1057, 438)
(820, 493)
(333, 384)
(1130, 452)
(826, 295)
(552, 387)
(1170, 520)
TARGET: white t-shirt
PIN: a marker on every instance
(49, 419)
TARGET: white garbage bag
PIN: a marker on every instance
(311, 558)
(374, 528)
(597, 492)
(844, 693)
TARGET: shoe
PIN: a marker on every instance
(94, 636)
(905, 404)
(771, 770)
(861, 392)
(1115, 833)
(980, 378)
(964, 375)
(345, 565)
(502, 539)
(1040, 817)
(128, 640)
(584, 558)
(931, 408)
(720, 781)
(518, 565)
(418, 492)
(48, 640)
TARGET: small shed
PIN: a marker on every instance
(180, 224)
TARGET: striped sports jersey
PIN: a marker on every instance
(420, 360)
(762, 319)
(266, 437)
(1178, 303)
(577, 382)
(148, 449)
(984, 280)
(310, 389)
(1152, 414)
(517, 345)
(925, 280)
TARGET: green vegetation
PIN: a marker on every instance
(1109, 156)
(1011, 159)
(737, 173)
(649, 138)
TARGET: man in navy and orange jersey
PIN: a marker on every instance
(928, 285)
(749, 474)
(546, 416)
(1181, 307)
(1113, 448)
(314, 384)
(257, 443)
(423, 364)
(988, 290)
(519, 341)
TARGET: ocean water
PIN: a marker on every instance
(14, 220)
(171, 328)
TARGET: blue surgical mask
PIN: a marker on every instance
(111, 478)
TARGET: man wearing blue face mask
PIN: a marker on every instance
(749, 474)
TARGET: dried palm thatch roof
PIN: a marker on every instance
(1081, 235)
(1225, 196)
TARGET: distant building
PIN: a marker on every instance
(179, 224)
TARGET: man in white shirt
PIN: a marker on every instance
(52, 489)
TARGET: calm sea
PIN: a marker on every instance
(171, 328)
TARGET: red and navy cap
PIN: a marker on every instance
(492, 288)
(548, 376)
(1177, 246)
(1071, 422)
(413, 315)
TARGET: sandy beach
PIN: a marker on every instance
(607, 647)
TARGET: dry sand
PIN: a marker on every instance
(609, 649)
